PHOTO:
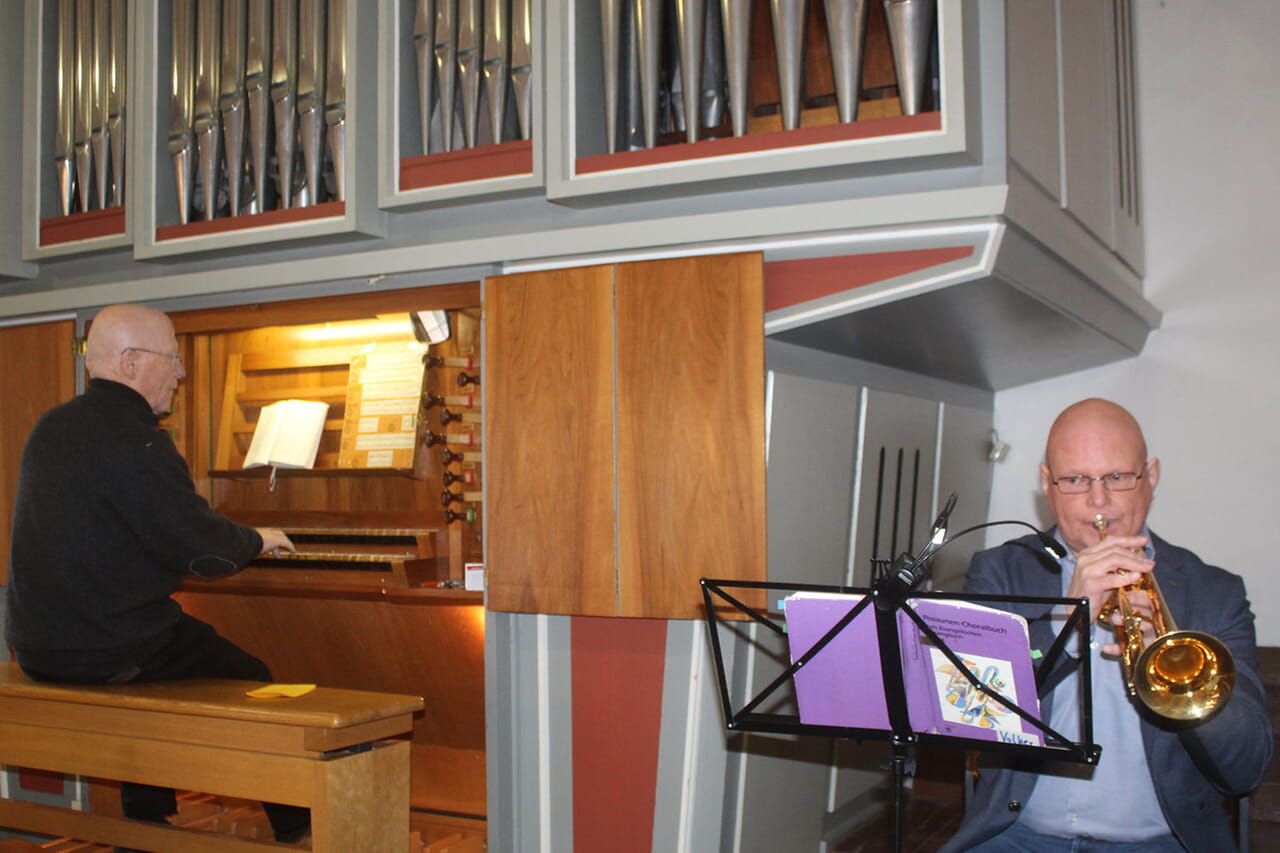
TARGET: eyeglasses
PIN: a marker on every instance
(175, 357)
(1119, 481)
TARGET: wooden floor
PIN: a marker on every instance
(245, 819)
(927, 823)
(241, 818)
(1264, 805)
(933, 805)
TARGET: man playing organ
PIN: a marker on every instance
(106, 525)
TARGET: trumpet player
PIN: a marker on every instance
(1160, 784)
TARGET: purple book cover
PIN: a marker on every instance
(841, 685)
(995, 646)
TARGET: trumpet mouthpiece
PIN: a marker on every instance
(1100, 523)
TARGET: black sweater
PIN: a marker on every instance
(106, 523)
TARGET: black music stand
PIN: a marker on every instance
(887, 600)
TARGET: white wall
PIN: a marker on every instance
(1207, 386)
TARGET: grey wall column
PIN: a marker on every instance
(528, 733)
(692, 753)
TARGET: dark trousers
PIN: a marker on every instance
(195, 650)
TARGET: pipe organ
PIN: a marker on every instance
(697, 70)
(254, 106)
(273, 121)
(474, 72)
(92, 71)
(232, 61)
(310, 164)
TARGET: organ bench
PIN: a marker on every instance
(339, 752)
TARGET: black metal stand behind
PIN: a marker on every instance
(887, 600)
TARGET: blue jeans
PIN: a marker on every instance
(1019, 839)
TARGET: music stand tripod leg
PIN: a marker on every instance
(903, 764)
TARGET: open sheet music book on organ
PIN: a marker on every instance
(287, 435)
(842, 685)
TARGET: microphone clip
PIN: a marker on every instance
(892, 590)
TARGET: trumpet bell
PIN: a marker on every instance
(1185, 675)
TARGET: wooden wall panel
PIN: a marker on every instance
(38, 361)
(691, 478)
(549, 439)
(434, 650)
(430, 649)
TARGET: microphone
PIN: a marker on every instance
(1053, 546)
(907, 571)
(1050, 545)
(939, 534)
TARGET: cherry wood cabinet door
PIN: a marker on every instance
(624, 435)
(691, 472)
(40, 373)
(549, 442)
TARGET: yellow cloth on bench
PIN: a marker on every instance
(275, 691)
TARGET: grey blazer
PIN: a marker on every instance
(1193, 766)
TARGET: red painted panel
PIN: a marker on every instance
(472, 164)
(281, 216)
(617, 724)
(41, 780)
(776, 140)
(106, 222)
(793, 282)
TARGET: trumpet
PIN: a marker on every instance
(1181, 675)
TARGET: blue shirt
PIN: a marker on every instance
(1115, 799)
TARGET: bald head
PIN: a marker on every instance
(1094, 439)
(135, 346)
(115, 329)
(1098, 420)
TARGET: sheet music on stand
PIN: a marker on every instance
(889, 618)
(1057, 746)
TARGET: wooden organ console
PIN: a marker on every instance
(374, 598)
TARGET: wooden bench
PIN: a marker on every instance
(338, 752)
